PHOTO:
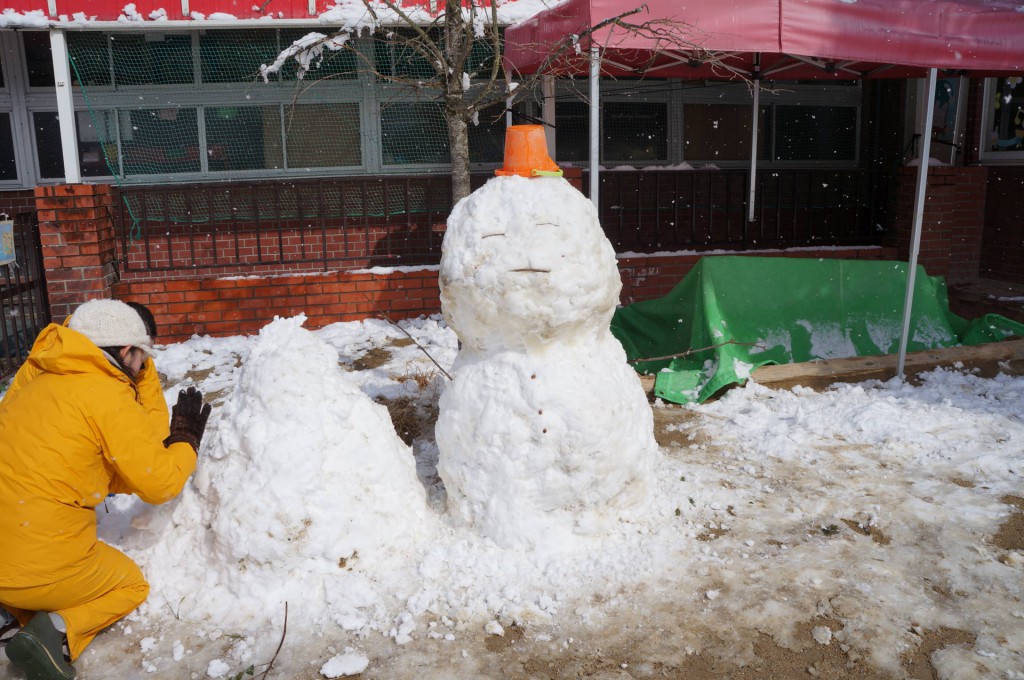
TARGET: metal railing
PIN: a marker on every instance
(305, 224)
(657, 210)
(344, 223)
(24, 309)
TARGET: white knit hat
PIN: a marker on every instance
(111, 323)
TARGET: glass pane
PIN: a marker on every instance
(414, 133)
(97, 143)
(323, 135)
(8, 167)
(635, 132)
(90, 58)
(48, 150)
(721, 132)
(572, 132)
(341, 64)
(1007, 131)
(243, 138)
(815, 133)
(159, 141)
(236, 56)
(152, 59)
(38, 59)
(487, 137)
(399, 60)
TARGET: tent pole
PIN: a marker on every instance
(595, 121)
(915, 240)
(753, 144)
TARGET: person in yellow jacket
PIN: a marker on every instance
(83, 418)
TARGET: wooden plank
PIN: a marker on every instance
(820, 374)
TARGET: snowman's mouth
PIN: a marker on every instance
(531, 270)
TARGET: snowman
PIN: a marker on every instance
(545, 432)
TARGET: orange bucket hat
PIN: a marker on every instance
(526, 153)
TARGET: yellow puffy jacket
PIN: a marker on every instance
(73, 428)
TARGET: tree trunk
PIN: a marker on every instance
(458, 142)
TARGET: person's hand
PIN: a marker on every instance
(188, 419)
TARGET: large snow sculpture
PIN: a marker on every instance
(545, 430)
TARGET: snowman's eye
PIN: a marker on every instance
(490, 235)
(546, 224)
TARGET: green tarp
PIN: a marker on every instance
(735, 313)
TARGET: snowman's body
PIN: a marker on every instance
(544, 430)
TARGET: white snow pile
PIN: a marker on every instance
(545, 430)
(303, 488)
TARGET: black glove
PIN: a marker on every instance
(188, 418)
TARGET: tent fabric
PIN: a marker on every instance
(735, 313)
(790, 39)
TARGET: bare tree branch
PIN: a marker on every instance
(446, 44)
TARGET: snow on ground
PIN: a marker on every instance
(860, 523)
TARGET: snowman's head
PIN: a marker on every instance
(525, 259)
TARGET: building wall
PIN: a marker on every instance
(80, 253)
(13, 202)
(953, 220)
(1002, 247)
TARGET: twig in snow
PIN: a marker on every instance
(408, 335)
(694, 351)
(284, 631)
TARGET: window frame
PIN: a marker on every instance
(985, 155)
(678, 93)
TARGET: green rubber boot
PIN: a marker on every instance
(36, 650)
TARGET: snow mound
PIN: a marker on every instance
(305, 469)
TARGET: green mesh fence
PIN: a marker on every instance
(193, 106)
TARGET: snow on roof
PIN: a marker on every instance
(151, 15)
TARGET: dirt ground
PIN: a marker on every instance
(649, 635)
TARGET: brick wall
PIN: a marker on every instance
(77, 236)
(14, 202)
(953, 221)
(242, 305)
(80, 251)
(1002, 248)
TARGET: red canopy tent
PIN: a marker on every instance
(777, 39)
(790, 38)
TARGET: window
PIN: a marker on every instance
(632, 132)
(151, 58)
(721, 132)
(97, 143)
(343, 64)
(159, 141)
(48, 148)
(572, 132)
(243, 138)
(413, 132)
(323, 136)
(8, 165)
(808, 133)
(1003, 138)
(38, 61)
(635, 132)
(487, 136)
(647, 122)
(235, 56)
